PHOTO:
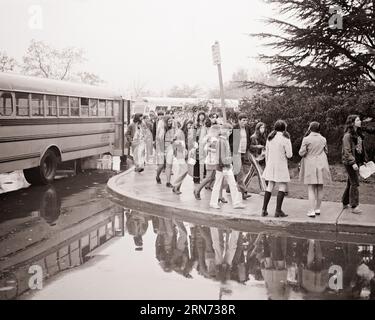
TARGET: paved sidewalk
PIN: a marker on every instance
(139, 191)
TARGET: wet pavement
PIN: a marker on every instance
(87, 244)
(141, 188)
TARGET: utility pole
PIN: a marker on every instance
(217, 62)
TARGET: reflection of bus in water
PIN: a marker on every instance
(61, 255)
(147, 104)
(44, 122)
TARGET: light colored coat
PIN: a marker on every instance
(314, 164)
(278, 150)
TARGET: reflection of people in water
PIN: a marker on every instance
(136, 224)
(165, 242)
(181, 258)
(315, 275)
(274, 267)
(224, 244)
(50, 205)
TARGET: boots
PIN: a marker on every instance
(266, 200)
(279, 202)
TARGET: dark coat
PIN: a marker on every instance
(234, 138)
(349, 150)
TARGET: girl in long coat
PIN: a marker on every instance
(278, 150)
(314, 166)
(136, 137)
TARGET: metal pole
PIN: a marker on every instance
(222, 92)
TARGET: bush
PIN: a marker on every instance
(299, 109)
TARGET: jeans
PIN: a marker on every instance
(351, 193)
(229, 177)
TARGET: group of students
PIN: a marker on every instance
(218, 156)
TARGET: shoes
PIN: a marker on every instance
(176, 191)
(245, 196)
(139, 169)
(280, 214)
(208, 188)
(197, 195)
(356, 210)
(264, 213)
(317, 212)
(215, 206)
(158, 180)
(169, 185)
(222, 200)
(345, 206)
(311, 214)
(239, 206)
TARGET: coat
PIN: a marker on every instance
(349, 150)
(278, 150)
(314, 164)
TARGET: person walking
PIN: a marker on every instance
(200, 133)
(164, 149)
(314, 166)
(210, 161)
(240, 148)
(224, 169)
(258, 142)
(147, 129)
(278, 151)
(353, 156)
(136, 138)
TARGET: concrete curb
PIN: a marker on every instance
(314, 229)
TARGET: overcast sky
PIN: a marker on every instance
(159, 43)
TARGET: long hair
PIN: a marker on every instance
(257, 132)
(279, 126)
(137, 118)
(349, 127)
(313, 127)
(197, 122)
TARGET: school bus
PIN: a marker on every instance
(44, 122)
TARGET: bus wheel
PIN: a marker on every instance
(45, 173)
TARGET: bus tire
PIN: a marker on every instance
(45, 173)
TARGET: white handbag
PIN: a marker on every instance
(367, 170)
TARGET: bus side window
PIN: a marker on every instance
(116, 108)
(93, 107)
(84, 107)
(37, 105)
(22, 104)
(101, 108)
(74, 107)
(63, 106)
(6, 104)
(51, 106)
(109, 109)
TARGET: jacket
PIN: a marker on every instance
(223, 153)
(349, 150)
(235, 137)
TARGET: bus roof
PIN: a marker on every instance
(21, 83)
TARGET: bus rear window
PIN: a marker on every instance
(37, 105)
(63, 106)
(84, 107)
(101, 108)
(6, 104)
(22, 104)
(74, 107)
(51, 106)
(93, 107)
